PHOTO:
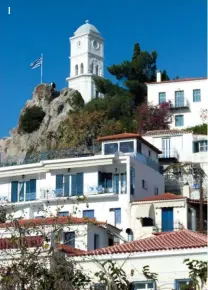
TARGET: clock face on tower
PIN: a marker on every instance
(96, 44)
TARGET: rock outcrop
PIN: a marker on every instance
(56, 106)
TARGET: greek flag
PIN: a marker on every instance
(36, 63)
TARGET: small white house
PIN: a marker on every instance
(188, 99)
(163, 253)
(97, 186)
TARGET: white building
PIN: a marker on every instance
(86, 60)
(100, 186)
(163, 253)
(188, 98)
(180, 146)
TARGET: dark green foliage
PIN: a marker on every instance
(149, 275)
(76, 101)
(31, 119)
(197, 273)
(133, 74)
(199, 129)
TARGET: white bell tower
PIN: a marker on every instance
(86, 60)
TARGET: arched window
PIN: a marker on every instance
(81, 68)
(96, 70)
(92, 68)
(76, 69)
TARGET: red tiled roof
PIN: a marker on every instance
(183, 239)
(179, 80)
(51, 221)
(128, 136)
(165, 132)
(30, 241)
(164, 196)
(70, 250)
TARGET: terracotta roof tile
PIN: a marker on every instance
(128, 136)
(51, 221)
(179, 80)
(70, 250)
(182, 239)
(164, 196)
(30, 241)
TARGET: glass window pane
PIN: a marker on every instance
(126, 147)
(63, 213)
(162, 98)
(197, 95)
(140, 286)
(69, 239)
(110, 148)
(179, 121)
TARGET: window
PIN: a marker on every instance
(139, 146)
(147, 222)
(69, 185)
(96, 241)
(156, 190)
(179, 99)
(143, 285)
(76, 70)
(200, 146)
(105, 180)
(144, 184)
(62, 185)
(111, 148)
(149, 153)
(132, 180)
(23, 191)
(88, 213)
(63, 213)
(82, 68)
(127, 147)
(179, 284)
(69, 239)
(123, 182)
(96, 94)
(179, 120)
(196, 95)
(117, 214)
(97, 70)
(162, 98)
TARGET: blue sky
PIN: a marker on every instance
(177, 30)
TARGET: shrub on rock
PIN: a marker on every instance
(31, 119)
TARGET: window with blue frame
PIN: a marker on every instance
(69, 239)
(196, 95)
(127, 147)
(117, 212)
(110, 148)
(180, 284)
(88, 213)
(132, 180)
(23, 191)
(200, 146)
(63, 213)
(67, 185)
(179, 99)
(105, 180)
(179, 120)
(149, 285)
(162, 97)
(123, 182)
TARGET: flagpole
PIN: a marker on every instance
(41, 69)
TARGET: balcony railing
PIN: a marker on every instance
(176, 226)
(84, 151)
(169, 154)
(147, 161)
(179, 104)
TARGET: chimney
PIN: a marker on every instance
(186, 191)
(159, 76)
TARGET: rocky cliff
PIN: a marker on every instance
(56, 107)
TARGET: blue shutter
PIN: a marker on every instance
(167, 219)
(66, 185)
(14, 195)
(116, 183)
(80, 183)
(59, 185)
(117, 215)
(73, 185)
(123, 182)
(88, 213)
(21, 191)
(27, 190)
(33, 189)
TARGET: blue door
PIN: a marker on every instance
(167, 219)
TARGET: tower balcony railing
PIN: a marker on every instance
(183, 103)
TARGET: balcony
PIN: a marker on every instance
(179, 104)
(170, 154)
(157, 228)
(147, 161)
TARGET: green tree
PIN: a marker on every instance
(31, 119)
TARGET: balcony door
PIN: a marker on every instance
(166, 147)
(179, 99)
(167, 219)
